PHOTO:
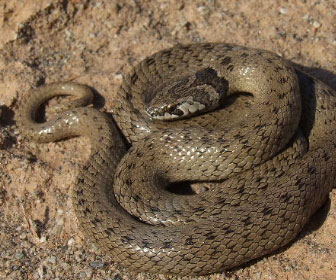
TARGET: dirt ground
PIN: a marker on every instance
(96, 43)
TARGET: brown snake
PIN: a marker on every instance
(267, 153)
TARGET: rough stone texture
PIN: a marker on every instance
(96, 42)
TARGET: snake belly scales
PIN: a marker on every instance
(267, 153)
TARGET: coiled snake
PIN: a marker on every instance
(260, 132)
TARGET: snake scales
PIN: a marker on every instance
(267, 153)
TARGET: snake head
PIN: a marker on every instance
(178, 110)
(186, 96)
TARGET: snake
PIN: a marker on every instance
(255, 131)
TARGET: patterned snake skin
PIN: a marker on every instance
(267, 154)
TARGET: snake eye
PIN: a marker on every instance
(174, 110)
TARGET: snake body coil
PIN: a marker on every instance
(267, 154)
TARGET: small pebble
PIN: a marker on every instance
(201, 9)
(23, 236)
(306, 17)
(82, 274)
(52, 259)
(71, 241)
(43, 239)
(19, 255)
(60, 222)
(40, 271)
(97, 264)
(94, 247)
(68, 34)
(118, 76)
(64, 265)
(85, 274)
(316, 24)
(283, 10)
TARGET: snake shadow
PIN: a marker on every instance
(8, 140)
(326, 76)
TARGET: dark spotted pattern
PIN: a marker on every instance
(269, 159)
